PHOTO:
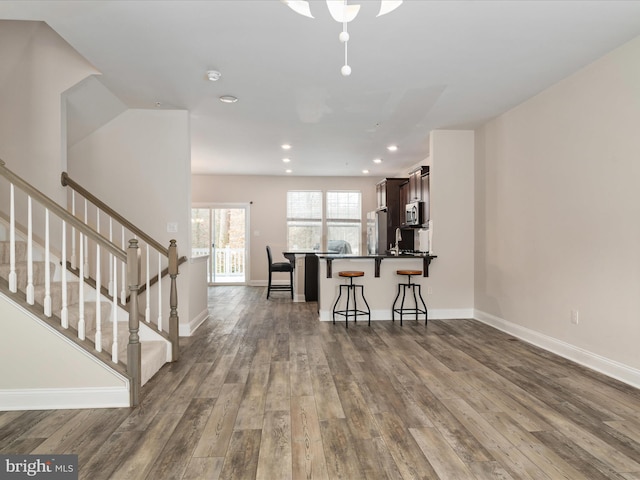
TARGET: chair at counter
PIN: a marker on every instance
(279, 267)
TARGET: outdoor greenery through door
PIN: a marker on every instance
(220, 232)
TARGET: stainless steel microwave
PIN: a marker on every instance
(413, 214)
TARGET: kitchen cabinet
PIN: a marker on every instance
(416, 189)
(388, 195)
(425, 195)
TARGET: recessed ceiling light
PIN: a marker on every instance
(228, 99)
(392, 148)
(213, 75)
(286, 160)
(365, 171)
(288, 170)
(377, 160)
(286, 146)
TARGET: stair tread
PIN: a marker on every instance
(154, 352)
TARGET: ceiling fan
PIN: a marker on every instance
(341, 12)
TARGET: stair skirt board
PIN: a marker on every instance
(109, 392)
(64, 398)
(156, 350)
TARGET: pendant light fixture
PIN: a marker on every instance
(342, 12)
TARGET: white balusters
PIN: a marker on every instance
(123, 292)
(147, 310)
(159, 292)
(30, 288)
(47, 266)
(111, 291)
(114, 314)
(98, 336)
(86, 240)
(64, 311)
(74, 260)
(13, 276)
(81, 321)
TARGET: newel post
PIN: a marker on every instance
(134, 349)
(173, 301)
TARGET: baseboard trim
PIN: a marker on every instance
(265, 283)
(606, 366)
(188, 329)
(63, 398)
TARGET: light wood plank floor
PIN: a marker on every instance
(264, 390)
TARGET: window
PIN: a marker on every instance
(340, 223)
(344, 228)
(304, 220)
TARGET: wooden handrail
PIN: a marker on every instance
(153, 280)
(62, 213)
(68, 181)
(170, 253)
(131, 258)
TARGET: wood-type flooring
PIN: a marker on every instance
(264, 390)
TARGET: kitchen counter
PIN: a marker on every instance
(380, 280)
(305, 274)
(426, 260)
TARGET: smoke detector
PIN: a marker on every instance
(213, 75)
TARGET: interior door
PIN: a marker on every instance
(220, 232)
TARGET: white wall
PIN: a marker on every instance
(557, 209)
(268, 212)
(139, 164)
(36, 66)
(452, 219)
(65, 376)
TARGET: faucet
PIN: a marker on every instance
(396, 249)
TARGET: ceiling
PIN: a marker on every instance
(427, 65)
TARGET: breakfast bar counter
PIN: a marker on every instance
(380, 280)
(426, 260)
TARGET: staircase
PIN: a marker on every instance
(155, 352)
(70, 295)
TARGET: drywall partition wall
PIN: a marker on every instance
(66, 377)
(451, 186)
(557, 212)
(139, 164)
(36, 66)
(268, 215)
(88, 106)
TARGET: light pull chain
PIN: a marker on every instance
(344, 38)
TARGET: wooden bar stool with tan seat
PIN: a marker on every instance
(351, 294)
(412, 286)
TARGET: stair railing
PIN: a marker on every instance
(39, 225)
(157, 261)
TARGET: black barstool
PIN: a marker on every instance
(279, 267)
(413, 286)
(351, 292)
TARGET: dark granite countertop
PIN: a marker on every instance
(426, 260)
(387, 255)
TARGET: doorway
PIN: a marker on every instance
(220, 231)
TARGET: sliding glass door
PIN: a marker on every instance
(220, 232)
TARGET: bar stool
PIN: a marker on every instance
(405, 286)
(279, 267)
(351, 290)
